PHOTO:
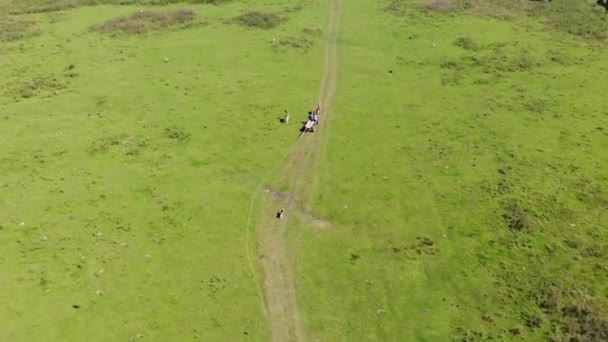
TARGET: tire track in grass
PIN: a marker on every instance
(277, 260)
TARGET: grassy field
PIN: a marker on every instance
(126, 179)
(466, 186)
(460, 191)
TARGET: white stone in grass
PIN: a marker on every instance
(22, 224)
(100, 271)
(99, 292)
(148, 255)
(124, 244)
(572, 225)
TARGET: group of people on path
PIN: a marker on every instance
(313, 119)
(312, 116)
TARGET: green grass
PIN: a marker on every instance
(412, 155)
(143, 169)
(464, 174)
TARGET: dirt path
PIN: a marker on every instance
(276, 258)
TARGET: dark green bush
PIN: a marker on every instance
(261, 20)
(467, 43)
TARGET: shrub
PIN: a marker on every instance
(297, 43)
(258, 19)
(517, 218)
(312, 31)
(467, 44)
(144, 21)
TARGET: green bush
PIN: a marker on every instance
(258, 19)
(467, 43)
(144, 21)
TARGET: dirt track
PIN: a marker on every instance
(276, 259)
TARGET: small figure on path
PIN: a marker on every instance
(286, 119)
(281, 213)
(311, 116)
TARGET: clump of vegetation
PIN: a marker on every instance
(452, 80)
(452, 65)
(425, 245)
(444, 5)
(583, 18)
(120, 143)
(297, 43)
(517, 218)
(144, 21)
(261, 20)
(42, 6)
(15, 28)
(312, 31)
(577, 317)
(39, 85)
(176, 134)
(467, 43)
(537, 106)
(575, 17)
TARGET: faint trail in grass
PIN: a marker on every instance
(254, 198)
(277, 261)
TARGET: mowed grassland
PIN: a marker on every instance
(126, 179)
(467, 190)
